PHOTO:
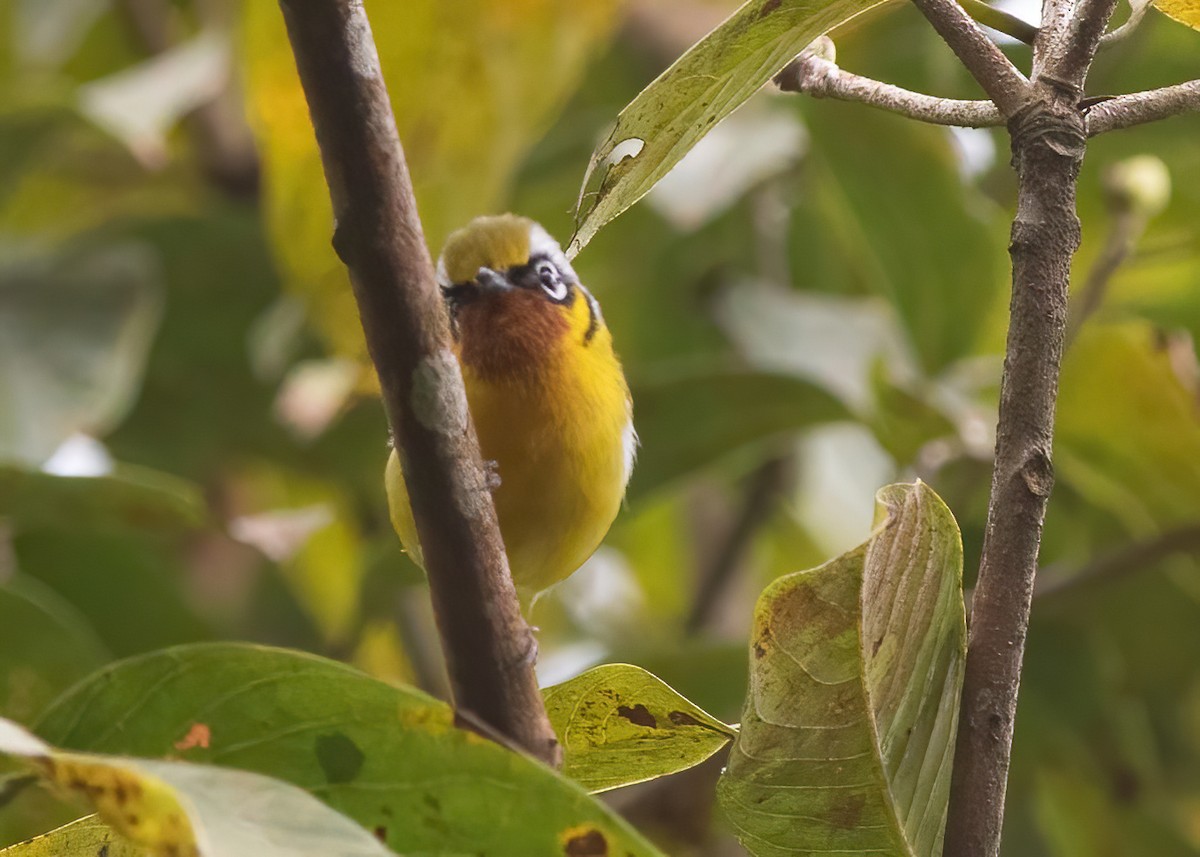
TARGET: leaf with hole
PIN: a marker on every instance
(701, 88)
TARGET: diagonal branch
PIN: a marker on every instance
(489, 648)
(1000, 79)
(813, 74)
(1125, 111)
(1068, 59)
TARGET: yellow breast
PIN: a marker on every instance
(561, 438)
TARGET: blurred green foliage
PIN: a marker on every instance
(187, 453)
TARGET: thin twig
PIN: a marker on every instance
(814, 75)
(489, 648)
(1000, 21)
(1137, 11)
(1119, 563)
(999, 78)
(763, 490)
(1125, 111)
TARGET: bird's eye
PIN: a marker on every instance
(551, 280)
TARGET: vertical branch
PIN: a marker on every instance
(489, 648)
(1048, 142)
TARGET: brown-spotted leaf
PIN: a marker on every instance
(179, 809)
(619, 725)
(847, 736)
(86, 837)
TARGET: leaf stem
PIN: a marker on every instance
(489, 648)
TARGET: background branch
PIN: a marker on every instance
(489, 648)
(1125, 111)
(1000, 79)
(812, 73)
(1116, 564)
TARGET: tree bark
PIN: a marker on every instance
(489, 648)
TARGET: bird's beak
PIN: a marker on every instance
(492, 281)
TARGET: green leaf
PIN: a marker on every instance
(701, 88)
(688, 421)
(131, 498)
(88, 836)
(856, 668)
(388, 757)
(178, 808)
(620, 725)
(74, 336)
(45, 647)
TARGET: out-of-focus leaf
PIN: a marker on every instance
(45, 647)
(129, 585)
(308, 527)
(856, 668)
(468, 108)
(701, 88)
(1183, 11)
(691, 420)
(178, 808)
(943, 271)
(1128, 431)
(140, 105)
(132, 498)
(388, 757)
(620, 725)
(74, 335)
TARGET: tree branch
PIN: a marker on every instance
(1068, 59)
(815, 75)
(1125, 111)
(1048, 145)
(1118, 563)
(489, 648)
(1004, 85)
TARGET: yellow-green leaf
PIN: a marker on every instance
(1183, 11)
(847, 736)
(701, 88)
(88, 836)
(620, 725)
(474, 84)
(178, 809)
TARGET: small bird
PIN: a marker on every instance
(547, 395)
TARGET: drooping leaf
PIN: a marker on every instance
(179, 809)
(74, 335)
(856, 668)
(45, 647)
(388, 757)
(701, 88)
(87, 837)
(620, 725)
(689, 421)
(130, 498)
(468, 108)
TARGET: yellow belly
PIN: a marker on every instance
(562, 446)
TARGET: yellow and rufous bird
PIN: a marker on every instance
(547, 395)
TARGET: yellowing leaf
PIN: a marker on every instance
(847, 737)
(619, 725)
(473, 85)
(705, 85)
(1183, 11)
(87, 836)
(177, 809)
